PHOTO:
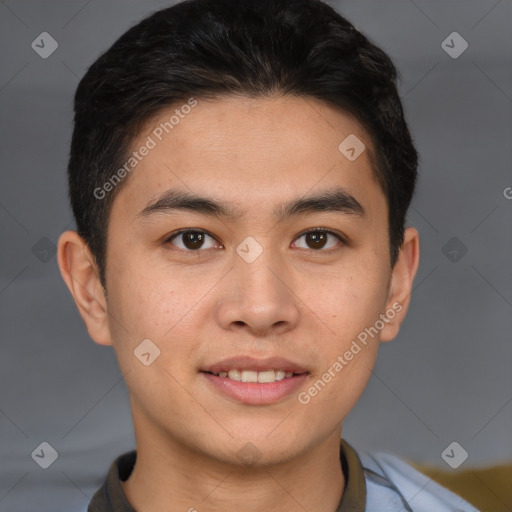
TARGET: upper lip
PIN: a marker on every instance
(252, 363)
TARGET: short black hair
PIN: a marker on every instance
(251, 48)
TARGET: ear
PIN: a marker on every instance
(400, 285)
(79, 270)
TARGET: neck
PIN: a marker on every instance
(170, 476)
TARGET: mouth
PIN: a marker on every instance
(255, 381)
(262, 377)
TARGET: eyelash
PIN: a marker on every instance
(340, 238)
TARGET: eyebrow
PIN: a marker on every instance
(333, 199)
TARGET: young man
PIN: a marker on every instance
(240, 173)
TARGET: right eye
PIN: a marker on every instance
(192, 240)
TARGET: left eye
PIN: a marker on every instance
(317, 239)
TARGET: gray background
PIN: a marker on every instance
(445, 378)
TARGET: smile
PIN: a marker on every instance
(264, 376)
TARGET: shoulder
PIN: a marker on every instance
(393, 483)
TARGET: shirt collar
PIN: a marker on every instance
(354, 494)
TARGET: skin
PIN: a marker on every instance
(294, 301)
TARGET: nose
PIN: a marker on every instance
(259, 298)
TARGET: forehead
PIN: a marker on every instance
(256, 152)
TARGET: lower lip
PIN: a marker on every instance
(255, 393)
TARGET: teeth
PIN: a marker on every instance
(265, 376)
(280, 375)
(249, 376)
(234, 375)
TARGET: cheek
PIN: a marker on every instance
(346, 301)
(162, 312)
(346, 308)
(148, 303)
(162, 308)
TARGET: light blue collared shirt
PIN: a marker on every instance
(392, 485)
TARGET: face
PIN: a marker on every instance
(249, 277)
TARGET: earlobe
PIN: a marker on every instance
(401, 282)
(79, 271)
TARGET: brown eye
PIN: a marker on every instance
(317, 239)
(191, 240)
